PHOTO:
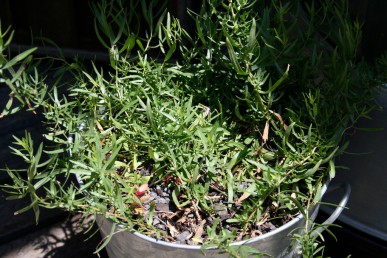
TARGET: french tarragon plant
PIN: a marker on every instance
(237, 118)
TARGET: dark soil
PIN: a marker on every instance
(188, 225)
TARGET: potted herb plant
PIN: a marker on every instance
(200, 140)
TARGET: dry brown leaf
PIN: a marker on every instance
(243, 197)
(139, 210)
(182, 219)
(265, 135)
(274, 205)
(196, 208)
(280, 119)
(263, 220)
(172, 230)
(215, 197)
(196, 240)
(169, 239)
(217, 189)
(199, 232)
(29, 106)
(240, 236)
(145, 198)
(99, 126)
(170, 215)
(235, 169)
(256, 232)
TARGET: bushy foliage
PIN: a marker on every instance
(248, 111)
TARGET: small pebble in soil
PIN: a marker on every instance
(156, 222)
(165, 194)
(162, 207)
(160, 226)
(221, 211)
(162, 200)
(182, 236)
(159, 191)
(270, 226)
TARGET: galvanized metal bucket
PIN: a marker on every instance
(126, 244)
(368, 207)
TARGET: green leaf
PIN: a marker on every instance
(139, 43)
(170, 52)
(175, 193)
(113, 155)
(100, 39)
(277, 83)
(200, 31)
(151, 212)
(285, 139)
(108, 238)
(299, 206)
(233, 58)
(313, 170)
(159, 24)
(329, 158)
(252, 40)
(332, 169)
(318, 193)
(33, 205)
(262, 166)
(18, 58)
(174, 120)
(230, 187)
(233, 220)
(150, 116)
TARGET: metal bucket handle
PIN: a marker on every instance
(339, 209)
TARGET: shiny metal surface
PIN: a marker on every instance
(277, 242)
(366, 159)
(367, 174)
